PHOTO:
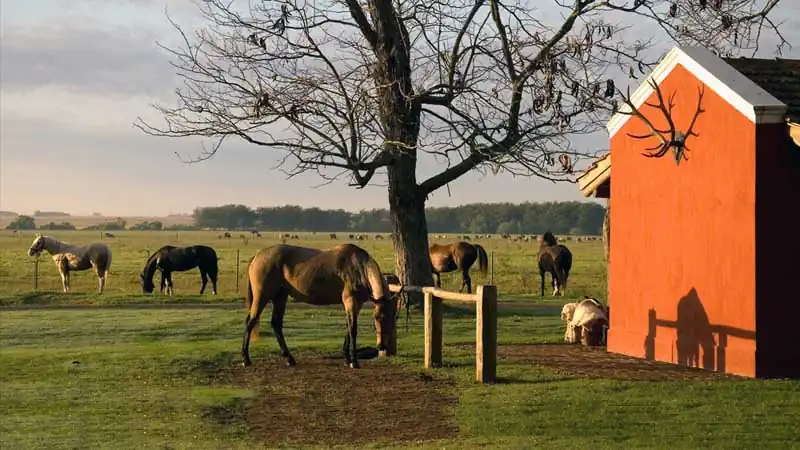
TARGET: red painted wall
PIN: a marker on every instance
(683, 255)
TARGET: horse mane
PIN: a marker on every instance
(549, 239)
(150, 265)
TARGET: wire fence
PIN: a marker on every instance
(41, 275)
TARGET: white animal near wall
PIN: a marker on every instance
(584, 315)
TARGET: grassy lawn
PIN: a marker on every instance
(138, 384)
(123, 370)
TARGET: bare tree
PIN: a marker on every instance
(357, 88)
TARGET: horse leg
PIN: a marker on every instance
(203, 281)
(65, 281)
(278, 311)
(564, 278)
(541, 275)
(102, 282)
(466, 281)
(163, 282)
(250, 323)
(213, 276)
(168, 275)
(438, 280)
(351, 310)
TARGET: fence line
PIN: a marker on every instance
(485, 298)
(51, 280)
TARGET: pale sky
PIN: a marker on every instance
(76, 74)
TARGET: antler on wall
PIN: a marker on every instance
(671, 138)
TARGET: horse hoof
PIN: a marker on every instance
(291, 362)
(353, 365)
(246, 363)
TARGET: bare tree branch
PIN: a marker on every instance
(352, 88)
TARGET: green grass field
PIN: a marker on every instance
(81, 371)
(512, 264)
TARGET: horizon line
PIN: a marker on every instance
(98, 214)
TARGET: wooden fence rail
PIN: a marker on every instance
(485, 299)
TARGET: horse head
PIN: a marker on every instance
(147, 284)
(549, 239)
(38, 245)
(568, 311)
(386, 313)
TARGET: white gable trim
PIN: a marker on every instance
(741, 92)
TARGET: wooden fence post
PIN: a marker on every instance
(36, 274)
(433, 331)
(486, 334)
(237, 270)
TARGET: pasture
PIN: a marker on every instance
(126, 370)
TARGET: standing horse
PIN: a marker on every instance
(345, 273)
(556, 259)
(457, 256)
(170, 259)
(73, 258)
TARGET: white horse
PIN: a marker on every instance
(70, 258)
(582, 316)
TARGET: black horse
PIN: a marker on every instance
(170, 259)
(556, 259)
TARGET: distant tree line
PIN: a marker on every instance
(24, 222)
(500, 218)
(38, 213)
(495, 218)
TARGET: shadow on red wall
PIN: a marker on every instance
(696, 345)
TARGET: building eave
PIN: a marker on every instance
(755, 103)
(596, 175)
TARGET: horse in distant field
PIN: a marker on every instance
(74, 258)
(457, 256)
(343, 274)
(170, 259)
(556, 259)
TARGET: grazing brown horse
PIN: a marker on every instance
(458, 256)
(555, 259)
(343, 274)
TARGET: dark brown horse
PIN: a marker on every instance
(343, 274)
(458, 256)
(556, 259)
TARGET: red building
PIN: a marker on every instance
(703, 265)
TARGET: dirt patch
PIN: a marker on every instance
(594, 362)
(322, 402)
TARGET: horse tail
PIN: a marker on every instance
(563, 266)
(483, 260)
(248, 303)
(353, 266)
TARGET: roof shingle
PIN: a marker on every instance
(779, 77)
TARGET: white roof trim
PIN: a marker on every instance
(741, 92)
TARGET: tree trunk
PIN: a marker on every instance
(400, 116)
(607, 247)
(409, 226)
(607, 231)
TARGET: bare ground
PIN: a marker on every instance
(595, 362)
(322, 402)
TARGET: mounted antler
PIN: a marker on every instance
(676, 139)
